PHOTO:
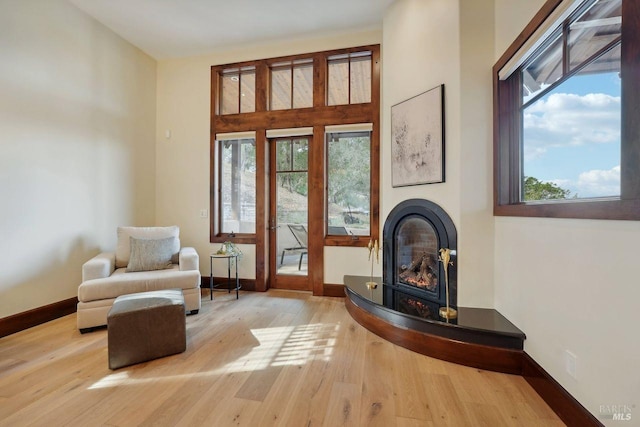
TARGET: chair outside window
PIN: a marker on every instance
(337, 231)
(300, 234)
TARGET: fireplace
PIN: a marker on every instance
(413, 235)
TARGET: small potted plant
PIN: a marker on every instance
(229, 248)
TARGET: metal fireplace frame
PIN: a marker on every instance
(447, 238)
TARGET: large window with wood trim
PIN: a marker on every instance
(236, 184)
(348, 182)
(319, 92)
(564, 143)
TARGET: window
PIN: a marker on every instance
(292, 85)
(289, 110)
(349, 80)
(237, 186)
(292, 189)
(348, 183)
(561, 149)
(238, 90)
(571, 109)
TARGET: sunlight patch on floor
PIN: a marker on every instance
(112, 380)
(278, 346)
(287, 345)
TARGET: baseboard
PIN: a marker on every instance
(28, 319)
(331, 290)
(245, 284)
(568, 409)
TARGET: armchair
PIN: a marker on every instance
(146, 259)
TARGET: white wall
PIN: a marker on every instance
(426, 43)
(182, 168)
(421, 51)
(571, 284)
(475, 277)
(511, 16)
(77, 114)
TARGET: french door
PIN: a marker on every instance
(289, 213)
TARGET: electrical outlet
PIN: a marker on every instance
(204, 213)
(571, 361)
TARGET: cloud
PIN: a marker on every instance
(593, 183)
(599, 183)
(565, 119)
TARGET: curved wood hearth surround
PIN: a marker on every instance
(480, 356)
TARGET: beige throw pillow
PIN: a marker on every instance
(124, 245)
(150, 254)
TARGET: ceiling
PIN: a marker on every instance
(178, 28)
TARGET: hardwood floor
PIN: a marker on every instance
(276, 358)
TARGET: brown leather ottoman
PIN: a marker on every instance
(146, 326)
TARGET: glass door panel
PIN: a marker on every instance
(290, 212)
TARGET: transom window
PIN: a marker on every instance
(292, 84)
(349, 80)
(238, 87)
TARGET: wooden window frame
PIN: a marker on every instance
(348, 240)
(238, 235)
(507, 133)
(318, 116)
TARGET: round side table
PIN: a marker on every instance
(229, 258)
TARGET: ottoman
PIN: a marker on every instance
(146, 326)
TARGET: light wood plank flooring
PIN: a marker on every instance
(276, 358)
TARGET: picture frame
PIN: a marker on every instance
(417, 139)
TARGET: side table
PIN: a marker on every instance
(229, 258)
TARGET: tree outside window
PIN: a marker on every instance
(238, 186)
(349, 183)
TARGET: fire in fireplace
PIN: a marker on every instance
(413, 235)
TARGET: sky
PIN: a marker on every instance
(572, 136)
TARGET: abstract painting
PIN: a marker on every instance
(417, 138)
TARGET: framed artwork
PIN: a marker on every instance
(417, 138)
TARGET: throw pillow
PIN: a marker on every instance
(150, 254)
(123, 248)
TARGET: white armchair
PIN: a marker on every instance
(146, 259)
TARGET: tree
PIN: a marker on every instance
(349, 171)
(534, 189)
(292, 163)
